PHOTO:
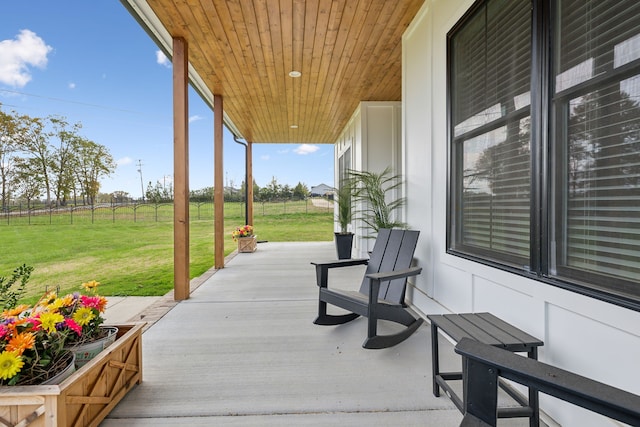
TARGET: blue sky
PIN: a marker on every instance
(90, 62)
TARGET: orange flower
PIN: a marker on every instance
(15, 311)
(21, 342)
(102, 305)
(68, 300)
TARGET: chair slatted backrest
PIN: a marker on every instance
(392, 251)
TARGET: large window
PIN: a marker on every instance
(545, 141)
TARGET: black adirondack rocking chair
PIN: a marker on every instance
(381, 295)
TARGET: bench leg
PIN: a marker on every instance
(534, 403)
(435, 362)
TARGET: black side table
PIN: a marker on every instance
(489, 329)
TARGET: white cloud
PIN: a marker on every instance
(72, 85)
(264, 157)
(195, 118)
(124, 161)
(305, 149)
(162, 59)
(18, 55)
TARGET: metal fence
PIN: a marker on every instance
(149, 212)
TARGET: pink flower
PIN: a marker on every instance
(35, 321)
(71, 324)
(91, 302)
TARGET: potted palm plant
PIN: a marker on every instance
(344, 201)
(373, 191)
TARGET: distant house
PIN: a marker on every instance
(321, 190)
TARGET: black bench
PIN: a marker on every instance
(483, 365)
(493, 331)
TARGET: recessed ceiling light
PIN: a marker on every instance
(294, 126)
(295, 73)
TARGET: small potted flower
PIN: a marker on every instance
(246, 238)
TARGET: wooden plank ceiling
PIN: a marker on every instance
(346, 50)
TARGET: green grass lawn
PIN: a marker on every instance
(136, 258)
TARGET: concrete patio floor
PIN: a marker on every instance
(243, 351)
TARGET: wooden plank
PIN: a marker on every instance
(297, 60)
(246, 26)
(249, 13)
(27, 399)
(88, 399)
(31, 417)
(286, 61)
(53, 414)
(230, 30)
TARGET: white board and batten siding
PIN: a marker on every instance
(372, 139)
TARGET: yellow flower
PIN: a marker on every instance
(50, 320)
(56, 304)
(83, 315)
(50, 296)
(90, 285)
(10, 365)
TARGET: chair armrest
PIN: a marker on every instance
(322, 268)
(376, 278)
(391, 275)
(341, 263)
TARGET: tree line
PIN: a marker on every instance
(162, 192)
(48, 157)
(273, 191)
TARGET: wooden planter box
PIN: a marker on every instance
(247, 244)
(87, 396)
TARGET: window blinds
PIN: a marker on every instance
(598, 96)
(491, 72)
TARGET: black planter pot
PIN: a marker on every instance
(343, 245)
